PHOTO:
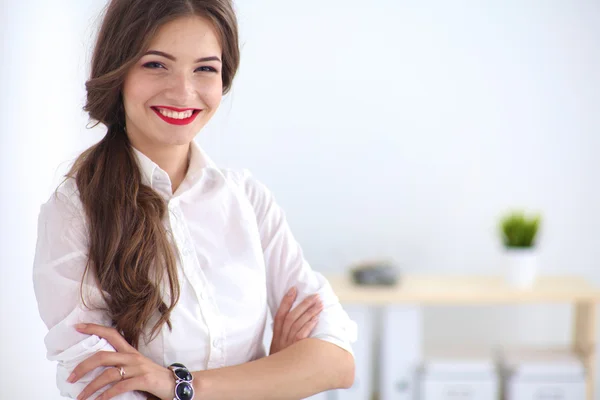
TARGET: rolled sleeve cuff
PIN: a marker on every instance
(336, 327)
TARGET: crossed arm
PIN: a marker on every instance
(304, 368)
(298, 366)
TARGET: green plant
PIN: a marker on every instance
(518, 230)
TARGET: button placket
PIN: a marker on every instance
(178, 229)
(210, 311)
(208, 308)
(195, 275)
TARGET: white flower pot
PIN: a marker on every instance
(521, 267)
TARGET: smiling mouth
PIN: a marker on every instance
(175, 116)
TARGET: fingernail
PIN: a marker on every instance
(71, 378)
(80, 326)
(292, 291)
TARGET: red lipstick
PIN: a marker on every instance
(175, 121)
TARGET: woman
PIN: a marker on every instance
(171, 263)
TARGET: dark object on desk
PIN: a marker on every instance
(375, 274)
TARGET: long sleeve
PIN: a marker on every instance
(287, 267)
(60, 259)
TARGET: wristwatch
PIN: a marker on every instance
(183, 382)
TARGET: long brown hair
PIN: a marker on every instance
(129, 252)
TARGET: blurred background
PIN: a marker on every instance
(387, 130)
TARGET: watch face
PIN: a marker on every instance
(183, 374)
(184, 391)
(177, 365)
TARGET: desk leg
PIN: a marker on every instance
(584, 341)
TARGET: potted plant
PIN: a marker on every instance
(518, 235)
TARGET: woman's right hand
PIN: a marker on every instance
(290, 326)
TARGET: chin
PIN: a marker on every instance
(179, 142)
(175, 139)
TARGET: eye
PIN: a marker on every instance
(153, 65)
(206, 69)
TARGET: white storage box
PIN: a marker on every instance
(458, 375)
(399, 351)
(530, 374)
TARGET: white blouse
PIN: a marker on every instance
(238, 258)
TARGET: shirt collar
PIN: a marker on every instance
(199, 160)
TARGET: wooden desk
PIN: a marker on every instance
(486, 290)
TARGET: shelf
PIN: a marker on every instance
(464, 290)
(414, 291)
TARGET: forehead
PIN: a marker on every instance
(195, 35)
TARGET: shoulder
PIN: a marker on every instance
(244, 178)
(237, 175)
(254, 189)
(63, 202)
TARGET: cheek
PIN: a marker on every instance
(211, 93)
(136, 93)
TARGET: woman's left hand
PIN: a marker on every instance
(140, 373)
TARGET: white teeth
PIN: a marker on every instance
(175, 114)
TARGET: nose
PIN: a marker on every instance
(181, 90)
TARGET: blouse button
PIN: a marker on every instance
(216, 343)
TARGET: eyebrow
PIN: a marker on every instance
(172, 58)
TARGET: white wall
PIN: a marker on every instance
(397, 129)
(44, 48)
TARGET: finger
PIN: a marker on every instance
(284, 309)
(110, 375)
(313, 311)
(100, 359)
(128, 385)
(296, 313)
(307, 328)
(110, 334)
(302, 320)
